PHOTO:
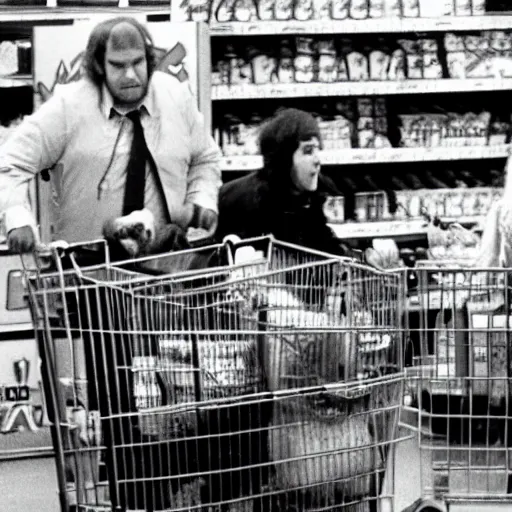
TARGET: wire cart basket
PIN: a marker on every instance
(191, 381)
(458, 384)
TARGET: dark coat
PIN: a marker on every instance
(249, 206)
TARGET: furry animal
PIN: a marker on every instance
(136, 235)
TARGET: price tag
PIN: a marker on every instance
(296, 28)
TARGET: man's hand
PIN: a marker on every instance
(21, 240)
(170, 237)
(204, 218)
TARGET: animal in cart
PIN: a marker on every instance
(322, 444)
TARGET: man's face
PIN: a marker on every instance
(126, 67)
(306, 165)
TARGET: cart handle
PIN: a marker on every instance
(58, 249)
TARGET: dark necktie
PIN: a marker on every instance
(136, 169)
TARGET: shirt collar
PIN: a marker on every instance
(107, 103)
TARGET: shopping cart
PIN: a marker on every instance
(458, 386)
(274, 383)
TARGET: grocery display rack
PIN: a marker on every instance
(229, 98)
(229, 95)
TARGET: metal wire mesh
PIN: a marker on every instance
(459, 381)
(165, 389)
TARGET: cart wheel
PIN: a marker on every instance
(424, 506)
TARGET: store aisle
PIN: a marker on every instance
(28, 485)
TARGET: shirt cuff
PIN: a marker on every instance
(17, 217)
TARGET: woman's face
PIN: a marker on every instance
(306, 165)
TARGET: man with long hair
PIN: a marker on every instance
(128, 139)
(87, 127)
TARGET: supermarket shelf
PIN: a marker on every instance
(382, 155)
(392, 228)
(16, 81)
(370, 88)
(24, 14)
(367, 26)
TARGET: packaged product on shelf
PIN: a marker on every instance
(501, 45)
(380, 107)
(413, 57)
(414, 207)
(376, 9)
(327, 70)
(233, 61)
(327, 133)
(263, 66)
(435, 203)
(431, 66)
(478, 7)
(221, 73)
(379, 64)
(266, 10)
(285, 72)
(463, 7)
(498, 133)
(393, 8)
(24, 56)
(343, 131)
(334, 209)
(380, 125)
(342, 68)
(454, 132)
(322, 9)
(410, 8)
(304, 60)
(365, 132)
(248, 134)
(283, 10)
(455, 55)
(477, 128)
(340, 9)
(478, 57)
(454, 203)
(365, 107)
(370, 206)
(303, 10)
(244, 71)
(229, 136)
(397, 65)
(359, 9)
(245, 10)
(8, 58)
(424, 130)
(435, 8)
(358, 67)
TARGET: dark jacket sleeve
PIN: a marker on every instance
(240, 210)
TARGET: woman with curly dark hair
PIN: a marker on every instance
(286, 196)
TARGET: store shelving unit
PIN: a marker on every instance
(366, 26)
(346, 28)
(381, 155)
(26, 14)
(16, 81)
(369, 88)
